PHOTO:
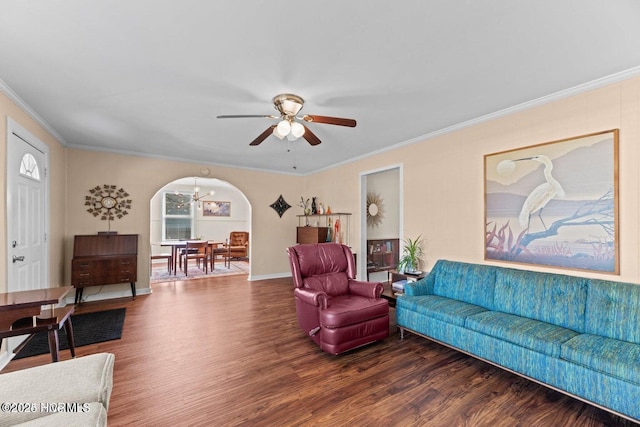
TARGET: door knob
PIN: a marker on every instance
(18, 258)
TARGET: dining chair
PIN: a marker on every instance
(238, 244)
(197, 251)
(218, 249)
(166, 256)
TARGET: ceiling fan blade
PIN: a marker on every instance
(263, 135)
(244, 116)
(310, 136)
(330, 120)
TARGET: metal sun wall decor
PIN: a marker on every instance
(555, 204)
(108, 202)
(375, 210)
(280, 206)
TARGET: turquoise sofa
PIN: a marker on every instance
(577, 335)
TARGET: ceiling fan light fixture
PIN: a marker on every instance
(284, 127)
(297, 129)
(278, 134)
(288, 104)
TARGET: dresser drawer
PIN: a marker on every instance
(80, 264)
(104, 271)
(124, 270)
(83, 277)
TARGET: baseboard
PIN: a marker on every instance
(101, 296)
(269, 276)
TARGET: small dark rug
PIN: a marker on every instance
(88, 328)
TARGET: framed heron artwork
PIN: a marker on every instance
(555, 204)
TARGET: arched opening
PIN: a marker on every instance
(203, 209)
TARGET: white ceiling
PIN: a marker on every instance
(149, 77)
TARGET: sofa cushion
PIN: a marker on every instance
(345, 310)
(613, 310)
(528, 333)
(83, 379)
(470, 283)
(620, 359)
(551, 298)
(441, 308)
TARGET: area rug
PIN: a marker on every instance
(88, 328)
(159, 272)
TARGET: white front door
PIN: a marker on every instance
(27, 211)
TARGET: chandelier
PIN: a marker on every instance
(194, 198)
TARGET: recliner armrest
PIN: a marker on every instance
(366, 289)
(315, 298)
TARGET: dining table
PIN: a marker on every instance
(214, 248)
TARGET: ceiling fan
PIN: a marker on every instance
(290, 125)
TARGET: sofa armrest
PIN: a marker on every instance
(423, 286)
(366, 289)
(82, 380)
(314, 298)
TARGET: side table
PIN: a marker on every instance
(389, 293)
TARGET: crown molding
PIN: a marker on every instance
(575, 90)
(565, 93)
(5, 89)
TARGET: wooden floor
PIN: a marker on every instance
(228, 352)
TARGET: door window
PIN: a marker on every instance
(29, 167)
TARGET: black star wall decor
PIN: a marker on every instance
(280, 206)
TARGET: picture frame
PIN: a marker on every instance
(216, 208)
(555, 204)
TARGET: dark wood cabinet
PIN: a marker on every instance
(104, 259)
(312, 234)
(382, 255)
(318, 227)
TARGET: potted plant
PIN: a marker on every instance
(304, 204)
(411, 254)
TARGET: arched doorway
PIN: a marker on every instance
(197, 208)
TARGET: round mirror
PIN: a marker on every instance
(108, 202)
(374, 209)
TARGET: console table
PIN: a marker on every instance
(104, 259)
(21, 313)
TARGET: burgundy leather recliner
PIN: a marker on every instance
(338, 312)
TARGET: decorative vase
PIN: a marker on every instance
(320, 209)
(314, 210)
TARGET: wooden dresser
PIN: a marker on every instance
(104, 259)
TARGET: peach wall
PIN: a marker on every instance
(142, 177)
(57, 190)
(443, 176)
